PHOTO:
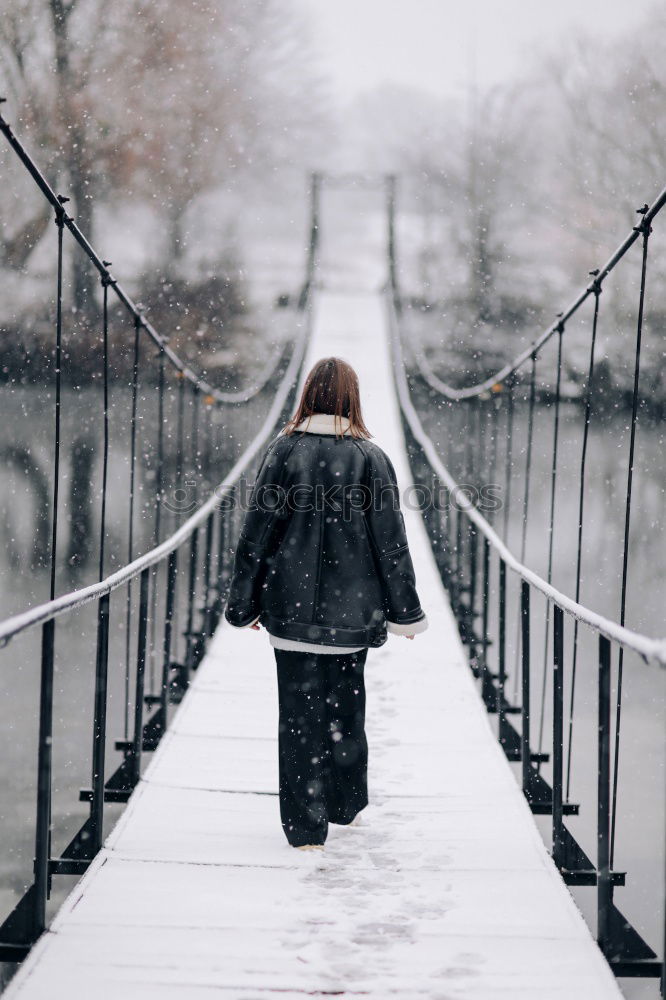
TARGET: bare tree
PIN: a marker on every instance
(612, 96)
(21, 29)
(475, 171)
(153, 98)
(48, 54)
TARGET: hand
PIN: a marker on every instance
(409, 637)
(255, 627)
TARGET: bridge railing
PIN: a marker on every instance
(477, 567)
(163, 605)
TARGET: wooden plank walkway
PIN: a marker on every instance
(444, 892)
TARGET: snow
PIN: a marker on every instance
(444, 891)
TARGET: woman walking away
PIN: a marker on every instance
(323, 563)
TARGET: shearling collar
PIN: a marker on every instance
(324, 423)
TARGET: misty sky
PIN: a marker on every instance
(428, 43)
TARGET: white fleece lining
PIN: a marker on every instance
(412, 629)
(394, 628)
(294, 646)
(249, 624)
(324, 423)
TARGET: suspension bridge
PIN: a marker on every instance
(448, 887)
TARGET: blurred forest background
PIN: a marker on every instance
(184, 133)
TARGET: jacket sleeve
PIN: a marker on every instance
(262, 528)
(386, 528)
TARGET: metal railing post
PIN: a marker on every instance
(99, 727)
(473, 573)
(458, 574)
(443, 524)
(220, 568)
(431, 518)
(558, 733)
(604, 888)
(44, 779)
(192, 587)
(208, 610)
(486, 609)
(525, 753)
(144, 588)
(501, 653)
(172, 568)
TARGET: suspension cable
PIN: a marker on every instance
(159, 470)
(130, 536)
(551, 535)
(482, 439)
(496, 404)
(650, 650)
(105, 423)
(528, 459)
(509, 459)
(196, 464)
(16, 624)
(452, 393)
(646, 229)
(180, 438)
(275, 360)
(589, 388)
(526, 503)
(58, 405)
(66, 221)
(157, 525)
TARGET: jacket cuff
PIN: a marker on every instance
(253, 621)
(247, 624)
(412, 628)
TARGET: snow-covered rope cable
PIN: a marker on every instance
(266, 374)
(651, 650)
(648, 212)
(77, 598)
(102, 266)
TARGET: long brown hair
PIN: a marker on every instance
(331, 387)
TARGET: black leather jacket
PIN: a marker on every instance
(323, 555)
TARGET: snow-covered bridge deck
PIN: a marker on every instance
(446, 891)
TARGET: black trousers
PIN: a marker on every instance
(323, 751)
